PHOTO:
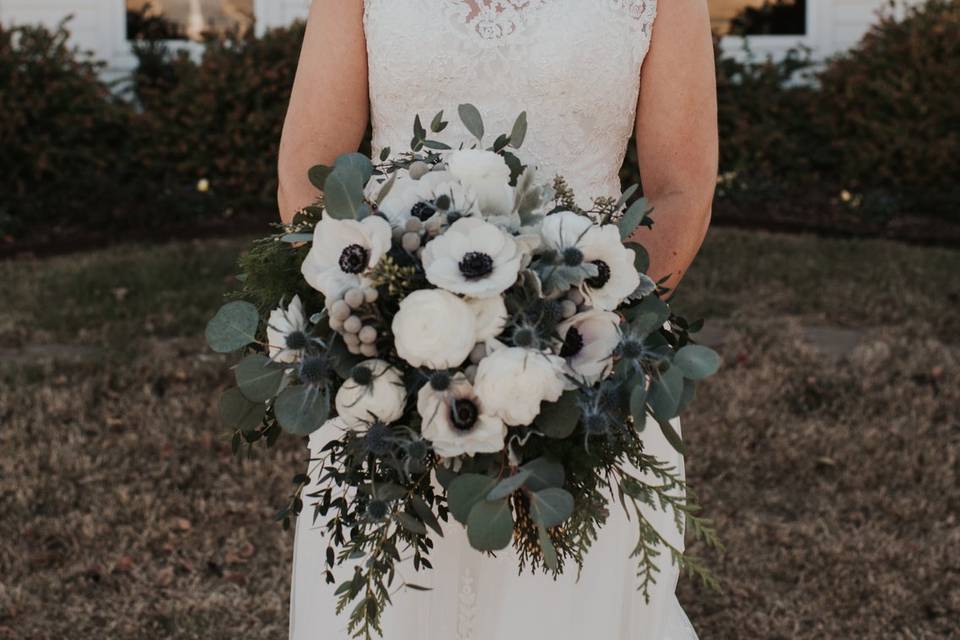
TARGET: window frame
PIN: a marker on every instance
(776, 46)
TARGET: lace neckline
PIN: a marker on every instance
(492, 20)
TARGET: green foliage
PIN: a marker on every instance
(891, 110)
(63, 136)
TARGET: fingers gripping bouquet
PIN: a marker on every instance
(472, 346)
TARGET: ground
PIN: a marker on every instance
(826, 449)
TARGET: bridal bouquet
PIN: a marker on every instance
(471, 345)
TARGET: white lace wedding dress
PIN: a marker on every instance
(574, 66)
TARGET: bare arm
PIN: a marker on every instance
(329, 105)
(677, 136)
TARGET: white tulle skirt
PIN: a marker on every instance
(474, 596)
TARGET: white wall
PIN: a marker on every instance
(100, 25)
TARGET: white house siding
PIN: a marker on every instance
(100, 25)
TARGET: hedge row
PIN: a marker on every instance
(879, 125)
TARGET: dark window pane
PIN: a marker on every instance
(186, 19)
(759, 17)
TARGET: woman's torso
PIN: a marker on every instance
(573, 65)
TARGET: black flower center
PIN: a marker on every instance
(602, 277)
(463, 414)
(440, 380)
(296, 340)
(422, 211)
(354, 259)
(572, 343)
(632, 349)
(476, 265)
(362, 375)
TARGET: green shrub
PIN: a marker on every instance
(890, 109)
(63, 136)
(221, 119)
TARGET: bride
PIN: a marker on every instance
(588, 73)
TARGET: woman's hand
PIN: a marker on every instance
(329, 105)
(677, 136)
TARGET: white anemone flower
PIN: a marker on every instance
(473, 258)
(343, 252)
(403, 196)
(617, 276)
(375, 392)
(455, 421)
(512, 382)
(434, 329)
(285, 332)
(489, 176)
(589, 340)
(571, 234)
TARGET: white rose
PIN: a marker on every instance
(375, 391)
(491, 316)
(435, 329)
(488, 175)
(589, 340)
(512, 382)
(456, 422)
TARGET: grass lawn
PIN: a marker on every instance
(832, 465)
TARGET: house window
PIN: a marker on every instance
(759, 17)
(186, 19)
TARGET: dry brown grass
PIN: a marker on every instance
(834, 482)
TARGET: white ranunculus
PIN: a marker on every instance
(383, 397)
(474, 258)
(342, 253)
(456, 422)
(488, 175)
(512, 382)
(589, 340)
(434, 329)
(617, 277)
(491, 314)
(281, 324)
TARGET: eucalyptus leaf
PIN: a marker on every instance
(665, 394)
(632, 218)
(343, 192)
(508, 485)
(301, 410)
(648, 316)
(490, 525)
(472, 120)
(549, 552)
(672, 436)
(689, 393)
(426, 514)
(550, 507)
(410, 523)
(697, 362)
(233, 327)
(544, 473)
(438, 124)
(294, 238)
(638, 405)
(641, 258)
(385, 189)
(436, 145)
(238, 412)
(356, 161)
(626, 195)
(519, 132)
(317, 175)
(559, 419)
(258, 377)
(465, 492)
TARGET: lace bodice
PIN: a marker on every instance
(573, 65)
